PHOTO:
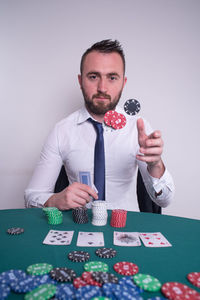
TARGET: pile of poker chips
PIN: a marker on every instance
(114, 119)
(80, 215)
(99, 213)
(118, 218)
(54, 215)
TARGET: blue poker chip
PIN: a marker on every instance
(65, 291)
(45, 279)
(4, 291)
(122, 291)
(108, 289)
(87, 292)
(12, 275)
(127, 283)
(24, 285)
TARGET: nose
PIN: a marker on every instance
(102, 86)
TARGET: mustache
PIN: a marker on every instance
(101, 95)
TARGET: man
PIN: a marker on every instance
(72, 144)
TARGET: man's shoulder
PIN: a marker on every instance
(70, 120)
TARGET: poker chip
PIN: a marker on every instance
(65, 291)
(12, 275)
(96, 266)
(121, 291)
(179, 291)
(100, 298)
(46, 278)
(156, 298)
(147, 282)
(80, 215)
(106, 252)
(126, 268)
(79, 282)
(79, 256)
(43, 292)
(87, 277)
(104, 277)
(99, 213)
(118, 218)
(15, 230)
(194, 278)
(88, 292)
(54, 215)
(39, 269)
(4, 291)
(132, 107)
(109, 116)
(63, 274)
(25, 285)
(118, 121)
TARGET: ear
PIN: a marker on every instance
(80, 80)
(125, 80)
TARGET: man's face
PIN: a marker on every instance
(102, 81)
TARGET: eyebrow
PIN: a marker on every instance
(99, 74)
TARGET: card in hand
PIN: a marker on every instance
(126, 239)
(84, 177)
(154, 239)
(58, 237)
(90, 239)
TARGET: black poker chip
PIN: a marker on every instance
(80, 215)
(132, 107)
(104, 277)
(63, 274)
(106, 252)
(15, 230)
(79, 256)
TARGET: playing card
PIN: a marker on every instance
(58, 237)
(90, 239)
(126, 239)
(154, 239)
(85, 178)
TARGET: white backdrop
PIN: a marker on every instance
(41, 43)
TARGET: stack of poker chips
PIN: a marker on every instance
(80, 215)
(54, 215)
(118, 218)
(99, 213)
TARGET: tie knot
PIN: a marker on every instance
(98, 126)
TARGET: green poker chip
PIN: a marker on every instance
(147, 282)
(43, 292)
(39, 269)
(54, 215)
(96, 266)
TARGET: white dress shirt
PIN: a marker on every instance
(71, 143)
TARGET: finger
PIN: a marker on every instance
(156, 134)
(86, 188)
(141, 128)
(151, 151)
(154, 142)
(148, 159)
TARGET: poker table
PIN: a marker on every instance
(166, 264)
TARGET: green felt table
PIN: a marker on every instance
(167, 264)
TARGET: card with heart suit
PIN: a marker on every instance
(58, 237)
(154, 239)
(90, 239)
(126, 239)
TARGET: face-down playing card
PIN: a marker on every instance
(58, 237)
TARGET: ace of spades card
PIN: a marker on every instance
(126, 239)
(90, 239)
(58, 237)
(154, 239)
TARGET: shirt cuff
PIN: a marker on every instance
(36, 199)
(160, 183)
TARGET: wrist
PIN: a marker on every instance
(156, 169)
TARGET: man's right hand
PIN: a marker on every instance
(75, 195)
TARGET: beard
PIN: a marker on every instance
(100, 108)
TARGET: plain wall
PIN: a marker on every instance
(41, 43)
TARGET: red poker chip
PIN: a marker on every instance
(118, 218)
(79, 282)
(118, 121)
(179, 291)
(87, 277)
(194, 278)
(126, 268)
(108, 117)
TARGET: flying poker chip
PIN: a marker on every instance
(63, 274)
(106, 252)
(194, 278)
(15, 230)
(118, 121)
(147, 282)
(104, 277)
(179, 291)
(126, 268)
(132, 107)
(79, 256)
(95, 266)
(4, 291)
(109, 116)
(44, 291)
(39, 269)
(87, 277)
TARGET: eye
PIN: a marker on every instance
(113, 77)
(92, 77)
